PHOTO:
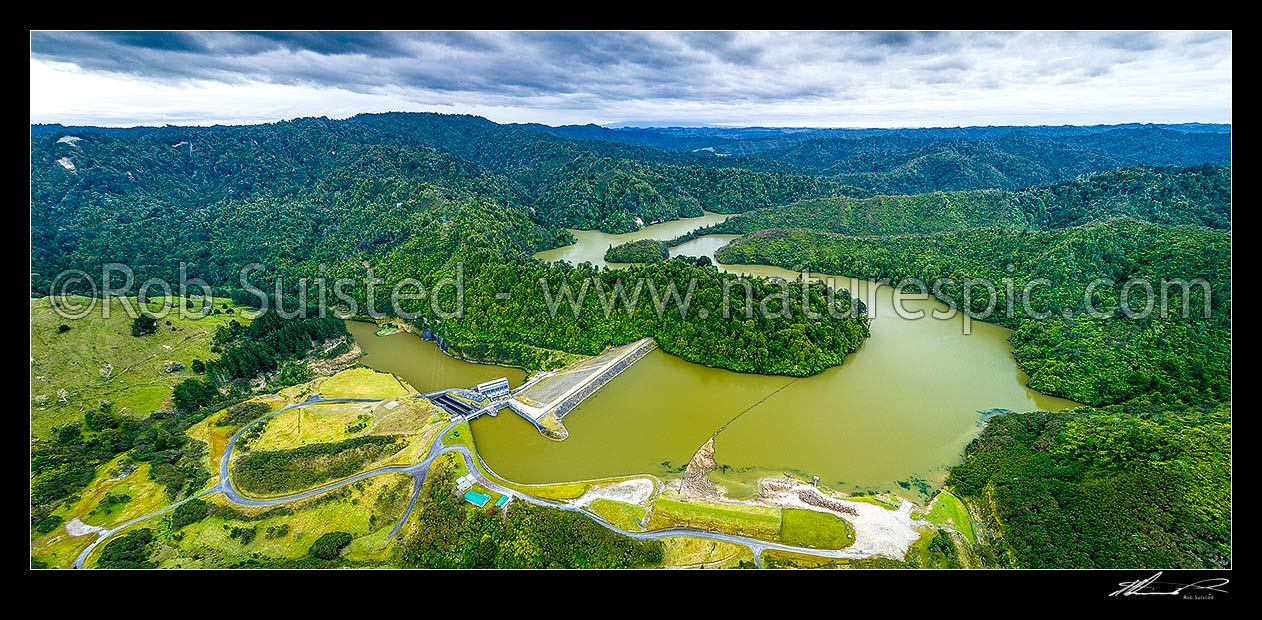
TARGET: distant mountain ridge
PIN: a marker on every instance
(681, 138)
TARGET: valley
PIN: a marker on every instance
(297, 432)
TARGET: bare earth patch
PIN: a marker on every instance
(633, 491)
(75, 527)
(696, 480)
(877, 531)
(337, 364)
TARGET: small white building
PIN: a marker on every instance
(497, 388)
(464, 482)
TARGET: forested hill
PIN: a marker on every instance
(604, 185)
(412, 194)
(908, 161)
(665, 140)
(755, 140)
(289, 195)
(1097, 360)
(1122, 487)
(901, 165)
(1197, 196)
(618, 180)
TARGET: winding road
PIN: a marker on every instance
(418, 472)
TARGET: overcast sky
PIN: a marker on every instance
(850, 79)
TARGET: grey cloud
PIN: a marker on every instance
(947, 64)
(892, 39)
(377, 44)
(167, 41)
(1133, 41)
(909, 42)
(600, 70)
(1200, 38)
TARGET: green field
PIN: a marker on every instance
(756, 521)
(949, 512)
(59, 549)
(875, 500)
(810, 528)
(309, 425)
(362, 382)
(98, 359)
(624, 515)
(461, 435)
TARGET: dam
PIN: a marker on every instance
(547, 397)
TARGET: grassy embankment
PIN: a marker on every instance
(624, 515)
(686, 552)
(947, 511)
(802, 527)
(805, 528)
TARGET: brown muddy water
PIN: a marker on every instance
(900, 410)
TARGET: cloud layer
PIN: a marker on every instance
(729, 78)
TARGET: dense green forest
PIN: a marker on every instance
(268, 341)
(605, 308)
(1121, 487)
(907, 164)
(1097, 361)
(290, 196)
(881, 215)
(274, 472)
(757, 142)
(131, 550)
(603, 185)
(1197, 196)
(450, 533)
(638, 251)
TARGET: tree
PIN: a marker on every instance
(329, 545)
(63, 328)
(188, 513)
(128, 551)
(68, 434)
(192, 394)
(198, 366)
(143, 325)
(101, 418)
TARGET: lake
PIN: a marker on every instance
(901, 409)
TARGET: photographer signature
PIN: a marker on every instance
(1151, 586)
